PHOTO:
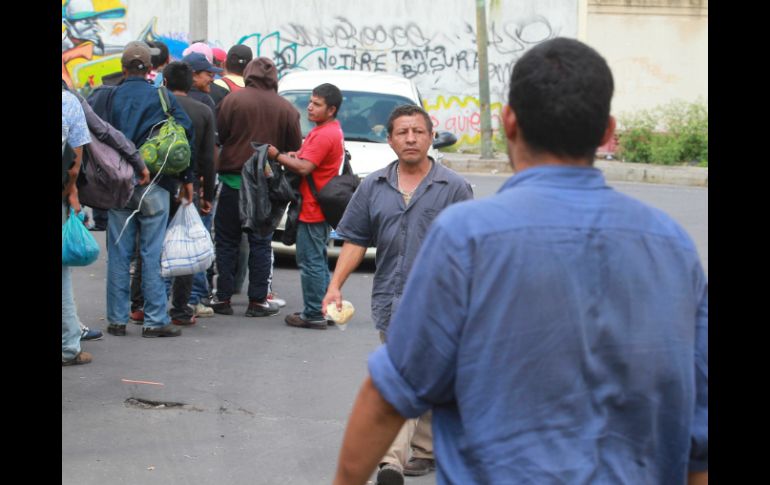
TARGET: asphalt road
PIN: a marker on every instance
(261, 403)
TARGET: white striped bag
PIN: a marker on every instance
(187, 247)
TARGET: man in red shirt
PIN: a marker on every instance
(320, 157)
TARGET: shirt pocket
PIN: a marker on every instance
(424, 220)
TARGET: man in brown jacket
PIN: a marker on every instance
(254, 113)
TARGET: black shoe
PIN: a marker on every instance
(117, 330)
(296, 320)
(264, 309)
(222, 307)
(167, 330)
(390, 475)
(417, 467)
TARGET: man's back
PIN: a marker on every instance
(583, 368)
(259, 115)
(205, 129)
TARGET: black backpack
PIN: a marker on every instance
(336, 194)
(67, 161)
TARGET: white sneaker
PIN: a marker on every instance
(276, 301)
(202, 311)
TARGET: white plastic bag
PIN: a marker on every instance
(187, 247)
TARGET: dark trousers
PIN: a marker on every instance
(227, 238)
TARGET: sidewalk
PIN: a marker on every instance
(613, 171)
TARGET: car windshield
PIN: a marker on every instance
(363, 115)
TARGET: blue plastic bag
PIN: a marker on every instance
(78, 246)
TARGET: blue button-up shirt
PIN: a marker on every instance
(559, 332)
(377, 216)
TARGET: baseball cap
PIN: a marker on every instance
(198, 62)
(219, 54)
(239, 54)
(200, 48)
(137, 50)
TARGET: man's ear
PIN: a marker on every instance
(510, 123)
(609, 132)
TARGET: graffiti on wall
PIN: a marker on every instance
(93, 35)
(443, 65)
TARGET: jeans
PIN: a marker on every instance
(152, 230)
(200, 285)
(70, 323)
(313, 267)
(227, 238)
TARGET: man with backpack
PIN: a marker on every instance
(232, 79)
(134, 107)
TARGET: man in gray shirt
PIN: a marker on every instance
(392, 210)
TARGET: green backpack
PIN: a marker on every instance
(167, 150)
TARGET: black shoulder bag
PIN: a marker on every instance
(336, 194)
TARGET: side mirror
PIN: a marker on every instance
(444, 139)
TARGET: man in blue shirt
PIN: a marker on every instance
(559, 329)
(134, 108)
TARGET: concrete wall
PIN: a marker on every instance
(432, 43)
(657, 49)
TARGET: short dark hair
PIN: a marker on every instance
(331, 95)
(136, 68)
(561, 92)
(159, 59)
(178, 76)
(409, 110)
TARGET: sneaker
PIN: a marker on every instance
(272, 298)
(81, 358)
(117, 330)
(264, 309)
(390, 474)
(136, 316)
(164, 331)
(417, 467)
(88, 334)
(202, 311)
(184, 321)
(296, 320)
(222, 307)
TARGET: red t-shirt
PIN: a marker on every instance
(324, 147)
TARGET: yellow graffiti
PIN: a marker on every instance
(444, 103)
(91, 72)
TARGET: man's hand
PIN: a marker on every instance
(272, 152)
(73, 200)
(205, 207)
(186, 192)
(333, 295)
(144, 177)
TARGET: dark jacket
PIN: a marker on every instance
(255, 113)
(263, 197)
(204, 124)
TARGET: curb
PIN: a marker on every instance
(613, 171)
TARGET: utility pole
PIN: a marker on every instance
(199, 19)
(481, 45)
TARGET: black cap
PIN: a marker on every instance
(239, 54)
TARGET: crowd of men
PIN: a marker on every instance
(556, 332)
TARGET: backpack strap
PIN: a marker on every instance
(231, 84)
(164, 101)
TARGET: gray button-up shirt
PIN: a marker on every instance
(377, 216)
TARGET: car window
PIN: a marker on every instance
(363, 115)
